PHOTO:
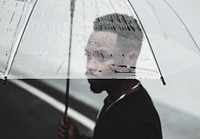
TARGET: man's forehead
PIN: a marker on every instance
(99, 36)
(102, 39)
(109, 41)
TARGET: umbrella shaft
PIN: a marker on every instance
(69, 58)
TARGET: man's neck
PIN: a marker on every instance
(119, 88)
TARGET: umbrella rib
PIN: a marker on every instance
(18, 42)
(162, 78)
(190, 34)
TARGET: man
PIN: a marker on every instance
(112, 52)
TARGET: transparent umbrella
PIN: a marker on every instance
(42, 40)
(48, 39)
(36, 39)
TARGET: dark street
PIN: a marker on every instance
(25, 116)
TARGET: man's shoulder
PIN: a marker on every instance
(138, 98)
(137, 104)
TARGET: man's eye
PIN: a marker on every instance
(103, 56)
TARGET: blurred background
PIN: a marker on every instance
(32, 108)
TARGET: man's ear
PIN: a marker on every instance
(131, 59)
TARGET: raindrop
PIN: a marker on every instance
(100, 27)
(111, 18)
(132, 27)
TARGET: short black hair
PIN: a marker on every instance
(119, 23)
(123, 25)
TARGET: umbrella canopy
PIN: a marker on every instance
(172, 30)
(36, 36)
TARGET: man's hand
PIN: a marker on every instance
(67, 129)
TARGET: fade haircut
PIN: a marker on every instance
(125, 26)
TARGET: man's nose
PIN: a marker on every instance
(91, 67)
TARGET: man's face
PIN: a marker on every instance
(102, 53)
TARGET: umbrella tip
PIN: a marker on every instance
(5, 80)
(163, 80)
